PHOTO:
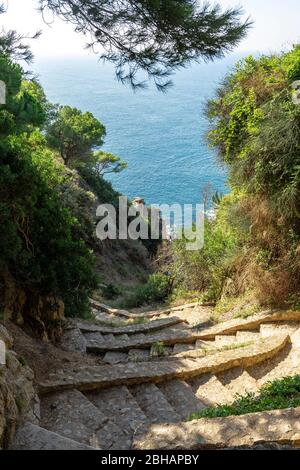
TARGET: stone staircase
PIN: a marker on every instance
(142, 387)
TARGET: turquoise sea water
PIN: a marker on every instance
(161, 136)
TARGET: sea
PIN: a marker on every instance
(161, 136)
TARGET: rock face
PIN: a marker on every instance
(43, 314)
(18, 399)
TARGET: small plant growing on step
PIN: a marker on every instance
(158, 349)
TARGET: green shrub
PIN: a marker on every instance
(111, 291)
(38, 246)
(255, 126)
(157, 289)
(204, 271)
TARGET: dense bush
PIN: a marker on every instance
(256, 128)
(255, 241)
(155, 290)
(39, 246)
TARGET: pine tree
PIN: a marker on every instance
(152, 36)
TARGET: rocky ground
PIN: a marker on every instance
(131, 380)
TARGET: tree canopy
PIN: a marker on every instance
(104, 163)
(153, 36)
(74, 133)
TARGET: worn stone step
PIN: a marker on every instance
(118, 404)
(284, 364)
(295, 338)
(33, 437)
(224, 340)
(270, 427)
(199, 316)
(109, 310)
(93, 336)
(72, 415)
(181, 347)
(252, 323)
(138, 355)
(109, 338)
(131, 328)
(169, 337)
(238, 381)
(154, 404)
(200, 344)
(190, 336)
(270, 329)
(246, 336)
(122, 337)
(211, 391)
(73, 340)
(96, 377)
(112, 357)
(138, 337)
(181, 396)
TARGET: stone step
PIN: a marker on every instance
(119, 405)
(96, 377)
(112, 357)
(286, 363)
(223, 333)
(109, 338)
(200, 344)
(246, 336)
(280, 427)
(122, 337)
(94, 336)
(154, 404)
(138, 355)
(169, 337)
(181, 347)
(224, 340)
(252, 323)
(72, 415)
(271, 329)
(73, 340)
(295, 338)
(238, 381)
(33, 437)
(131, 328)
(109, 310)
(182, 398)
(197, 316)
(137, 337)
(210, 391)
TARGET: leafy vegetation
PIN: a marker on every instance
(103, 163)
(74, 133)
(155, 37)
(277, 395)
(158, 349)
(254, 241)
(155, 290)
(38, 246)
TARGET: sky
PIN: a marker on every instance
(276, 27)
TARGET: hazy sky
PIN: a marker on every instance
(276, 27)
